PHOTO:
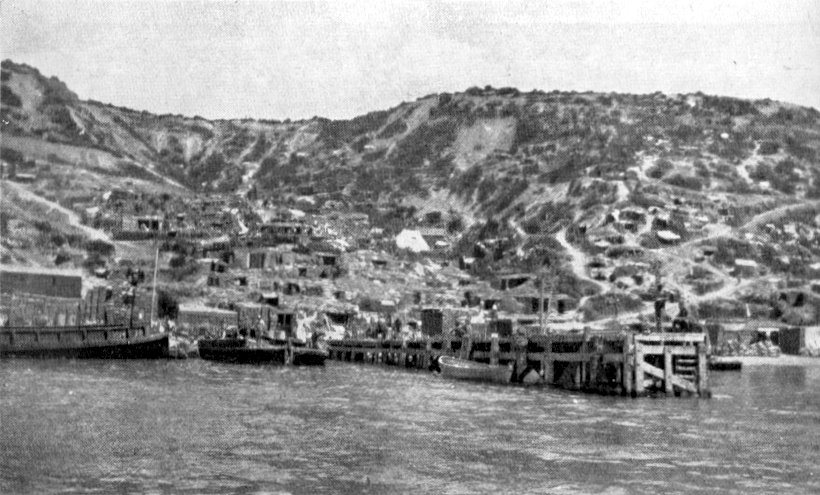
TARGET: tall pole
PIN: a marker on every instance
(133, 299)
(541, 304)
(154, 284)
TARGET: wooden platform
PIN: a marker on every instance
(625, 364)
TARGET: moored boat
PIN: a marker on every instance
(461, 369)
(239, 350)
(724, 363)
(308, 356)
(85, 341)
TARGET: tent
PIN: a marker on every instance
(412, 241)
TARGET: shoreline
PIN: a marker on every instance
(782, 360)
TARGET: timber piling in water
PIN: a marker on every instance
(624, 364)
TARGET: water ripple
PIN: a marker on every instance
(200, 427)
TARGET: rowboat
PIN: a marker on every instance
(238, 350)
(461, 369)
(83, 341)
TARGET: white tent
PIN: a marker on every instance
(412, 241)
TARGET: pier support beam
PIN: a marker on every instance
(547, 366)
(639, 373)
(667, 370)
(703, 370)
(627, 370)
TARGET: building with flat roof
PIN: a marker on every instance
(52, 282)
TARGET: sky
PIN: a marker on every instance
(339, 59)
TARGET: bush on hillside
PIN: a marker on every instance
(685, 181)
(465, 183)
(61, 116)
(661, 167)
(61, 258)
(728, 249)
(769, 148)
(337, 132)
(610, 304)
(57, 239)
(55, 92)
(424, 143)
(394, 128)
(782, 177)
(733, 107)
(258, 150)
(813, 191)
(100, 248)
(507, 193)
(702, 171)
(639, 198)
(11, 155)
(455, 224)
(796, 146)
(9, 98)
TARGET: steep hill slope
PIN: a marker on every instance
(444, 141)
(604, 170)
(489, 147)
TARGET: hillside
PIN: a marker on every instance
(562, 177)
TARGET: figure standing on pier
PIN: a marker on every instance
(681, 323)
(262, 328)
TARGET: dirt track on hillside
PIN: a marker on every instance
(71, 217)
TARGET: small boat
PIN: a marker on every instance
(720, 363)
(84, 342)
(461, 369)
(308, 356)
(239, 350)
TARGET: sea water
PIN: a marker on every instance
(203, 427)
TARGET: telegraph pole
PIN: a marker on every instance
(545, 271)
(154, 284)
(541, 303)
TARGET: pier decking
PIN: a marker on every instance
(625, 364)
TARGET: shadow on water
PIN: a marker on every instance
(201, 427)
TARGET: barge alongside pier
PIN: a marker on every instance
(261, 351)
(603, 362)
(85, 342)
(242, 351)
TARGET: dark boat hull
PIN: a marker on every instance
(83, 343)
(238, 351)
(304, 356)
(725, 364)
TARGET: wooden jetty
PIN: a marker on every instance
(605, 362)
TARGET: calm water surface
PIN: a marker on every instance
(201, 427)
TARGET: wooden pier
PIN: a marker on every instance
(625, 364)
